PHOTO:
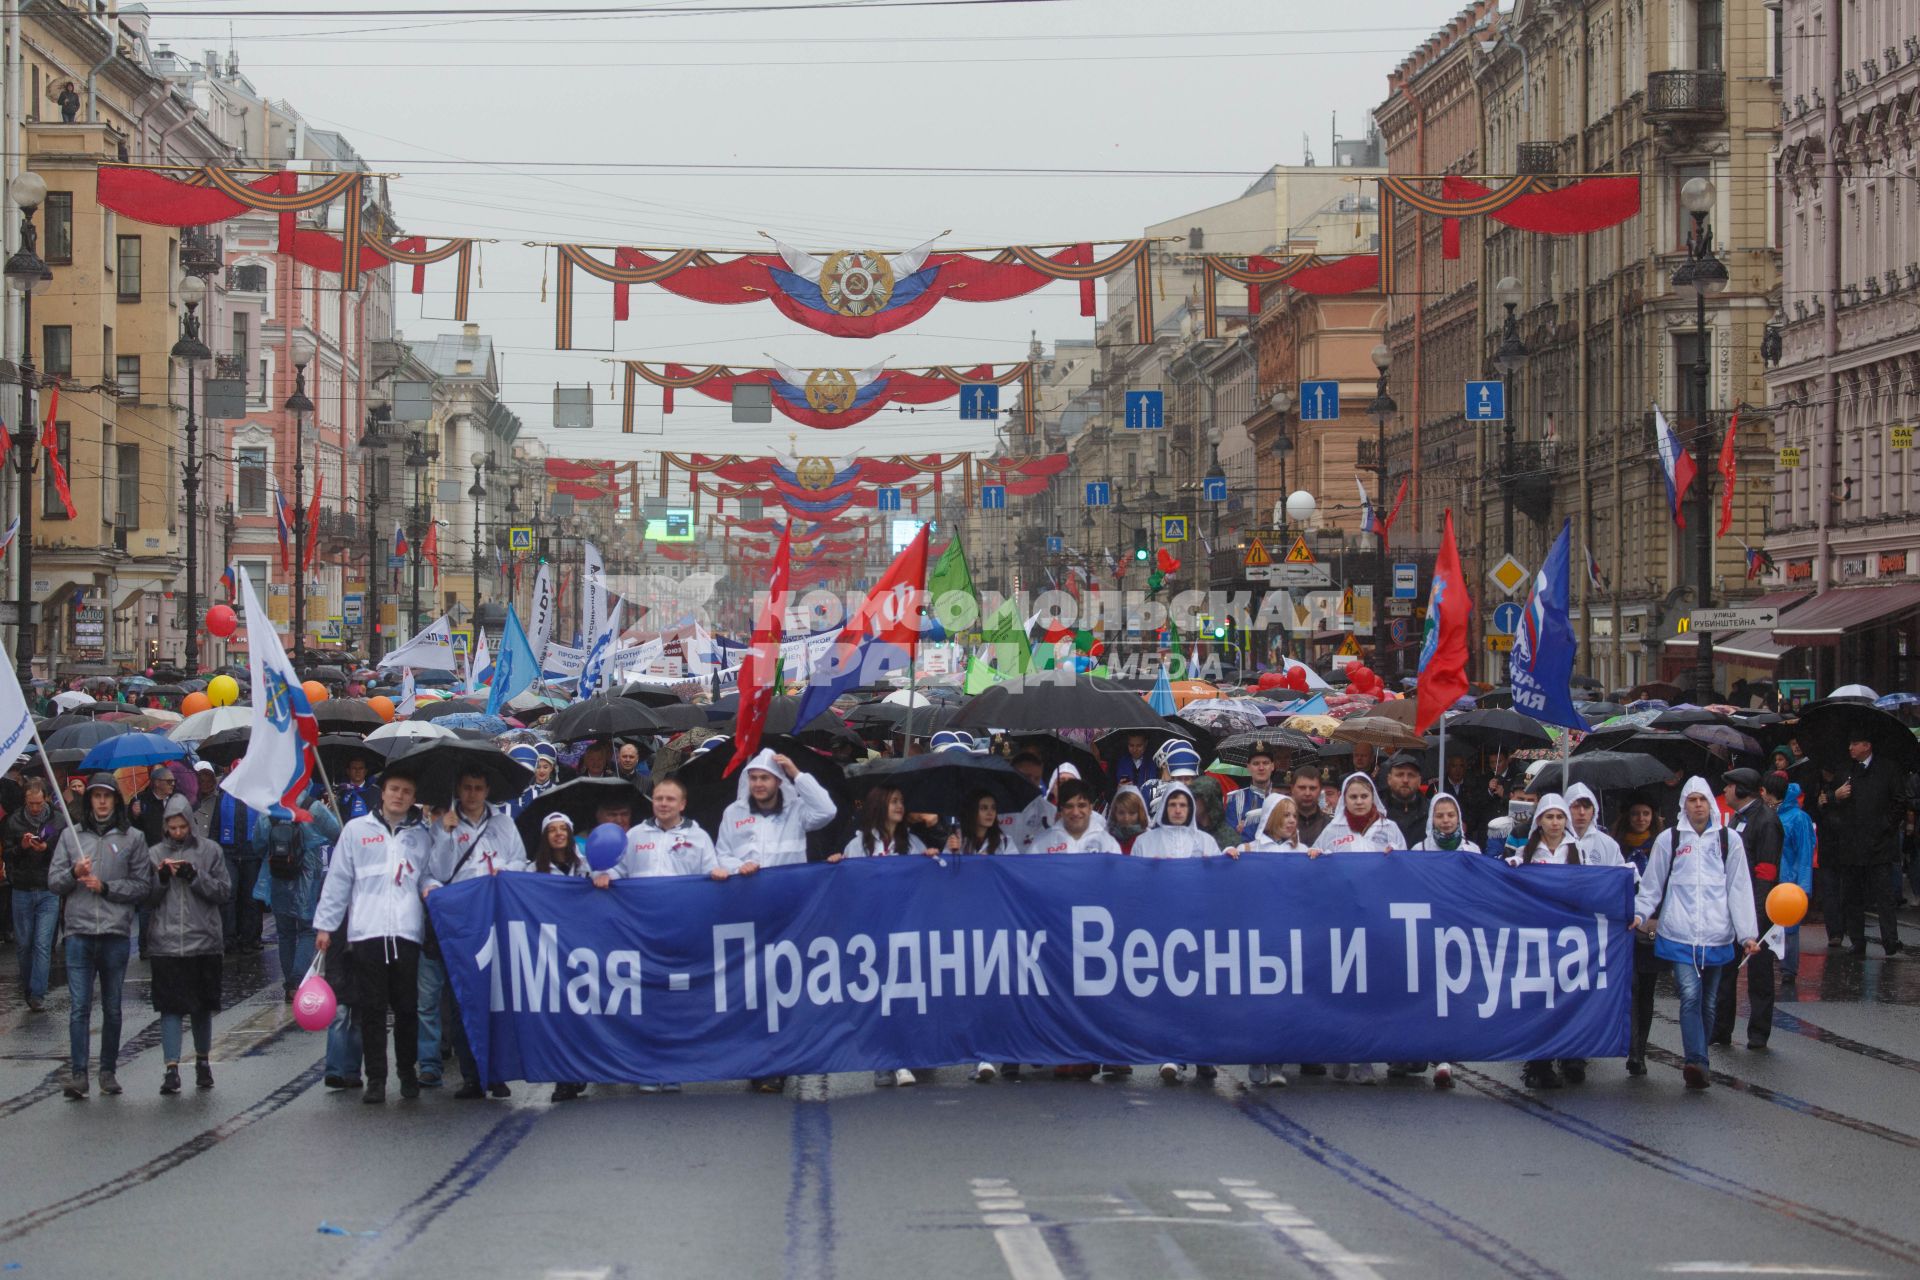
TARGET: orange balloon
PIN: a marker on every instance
(315, 691)
(1787, 904)
(383, 706)
(195, 702)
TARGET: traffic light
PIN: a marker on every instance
(1219, 631)
(1140, 544)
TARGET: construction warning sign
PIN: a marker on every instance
(1349, 648)
(1298, 552)
(1256, 557)
(1346, 602)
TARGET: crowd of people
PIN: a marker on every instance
(187, 885)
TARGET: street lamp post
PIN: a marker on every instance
(1705, 274)
(1281, 402)
(1507, 359)
(28, 274)
(481, 463)
(301, 351)
(1382, 408)
(192, 352)
(418, 456)
(373, 448)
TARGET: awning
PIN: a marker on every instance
(1831, 614)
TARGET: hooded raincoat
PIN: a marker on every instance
(1796, 848)
(1566, 853)
(1041, 812)
(120, 859)
(1702, 900)
(1264, 843)
(1458, 841)
(186, 904)
(1597, 848)
(1381, 834)
(1168, 840)
(777, 838)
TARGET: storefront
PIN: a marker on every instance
(1750, 656)
(1867, 635)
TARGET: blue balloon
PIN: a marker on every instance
(605, 844)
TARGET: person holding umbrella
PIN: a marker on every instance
(979, 829)
(1860, 829)
(883, 828)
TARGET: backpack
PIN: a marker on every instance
(283, 861)
(1664, 883)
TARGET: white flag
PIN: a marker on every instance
(593, 594)
(430, 650)
(563, 662)
(540, 616)
(409, 701)
(479, 666)
(1775, 940)
(16, 722)
(594, 670)
(273, 776)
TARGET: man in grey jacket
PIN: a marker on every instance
(104, 872)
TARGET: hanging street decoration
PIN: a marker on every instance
(1304, 272)
(1527, 202)
(826, 398)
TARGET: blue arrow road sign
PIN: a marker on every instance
(993, 497)
(1319, 401)
(979, 400)
(1099, 493)
(887, 499)
(1055, 544)
(1144, 410)
(1506, 618)
(1216, 488)
(1487, 401)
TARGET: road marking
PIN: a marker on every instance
(600, 1273)
(1193, 1195)
(1313, 1244)
(1022, 1246)
(1758, 1269)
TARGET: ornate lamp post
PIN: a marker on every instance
(301, 351)
(1382, 408)
(1706, 275)
(29, 275)
(192, 352)
(1507, 359)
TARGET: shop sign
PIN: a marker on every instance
(1799, 571)
(1892, 563)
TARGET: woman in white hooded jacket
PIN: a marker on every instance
(1696, 898)
(1551, 844)
(1276, 829)
(1446, 826)
(767, 825)
(1360, 825)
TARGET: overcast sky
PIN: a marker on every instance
(570, 128)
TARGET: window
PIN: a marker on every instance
(106, 353)
(240, 338)
(126, 375)
(58, 240)
(129, 504)
(56, 349)
(256, 571)
(1708, 18)
(127, 268)
(51, 508)
(251, 470)
(250, 278)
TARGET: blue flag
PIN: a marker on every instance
(1543, 651)
(514, 668)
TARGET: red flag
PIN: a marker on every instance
(1443, 650)
(1727, 468)
(430, 547)
(50, 433)
(758, 676)
(313, 522)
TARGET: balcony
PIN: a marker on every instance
(1686, 97)
(1536, 157)
(233, 367)
(201, 254)
(251, 278)
(1531, 479)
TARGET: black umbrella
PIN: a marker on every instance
(782, 712)
(1498, 729)
(1056, 700)
(581, 800)
(1111, 745)
(710, 789)
(1501, 697)
(346, 715)
(940, 781)
(444, 707)
(881, 712)
(1681, 717)
(336, 749)
(927, 721)
(164, 691)
(1286, 745)
(82, 736)
(65, 720)
(1679, 754)
(648, 696)
(1825, 728)
(606, 715)
(437, 763)
(1604, 771)
(681, 716)
(223, 748)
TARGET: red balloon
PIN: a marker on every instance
(1271, 680)
(1098, 649)
(1296, 679)
(221, 621)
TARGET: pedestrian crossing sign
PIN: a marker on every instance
(1173, 528)
(520, 538)
(1298, 552)
(1257, 556)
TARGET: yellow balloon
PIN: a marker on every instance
(223, 691)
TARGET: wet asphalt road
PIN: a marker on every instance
(1805, 1160)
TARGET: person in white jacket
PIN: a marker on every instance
(1446, 827)
(1697, 899)
(379, 868)
(1077, 829)
(1174, 833)
(1597, 848)
(1043, 810)
(883, 830)
(767, 825)
(667, 844)
(1360, 825)
(1276, 829)
(1550, 842)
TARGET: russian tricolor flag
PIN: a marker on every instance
(1676, 464)
(880, 639)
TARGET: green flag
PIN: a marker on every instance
(949, 578)
(980, 675)
(1008, 652)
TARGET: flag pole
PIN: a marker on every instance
(46, 767)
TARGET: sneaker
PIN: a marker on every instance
(469, 1092)
(1573, 1072)
(499, 1089)
(343, 1082)
(36, 1005)
(1696, 1076)
(376, 1093)
(883, 1079)
(1443, 1075)
(1011, 1072)
(1361, 1073)
(1258, 1074)
(1206, 1071)
(1336, 1071)
(1313, 1068)
(670, 1088)
(170, 1083)
(1170, 1073)
(1757, 1046)
(649, 1088)
(109, 1083)
(1541, 1077)
(904, 1077)
(768, 1084)
(567, 1092)
(409, 1086)
(1636, 1066)
(1398, 1071)
(985, 1073)
(202, 1075)
(76, 1086)
(1117, 1071)
(429, 1079)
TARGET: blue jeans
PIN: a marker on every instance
(343, 1045)
(295, 938)
(170, 1035)
(1697, 991)
(433, 980)
(35, 914)
(241, 914)
(105, 955)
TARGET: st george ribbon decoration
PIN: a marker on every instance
(1526, 202)
(1304, 273)
(827, 398)
(852, 293)
(1422, 956)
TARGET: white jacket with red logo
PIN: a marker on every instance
(779, 838)
(378, 870)
(653, 850)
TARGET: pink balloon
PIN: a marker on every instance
(314, 1004)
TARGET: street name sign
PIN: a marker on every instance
(1733, 619)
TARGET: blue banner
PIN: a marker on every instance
(882, 962)
(1541, 665)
